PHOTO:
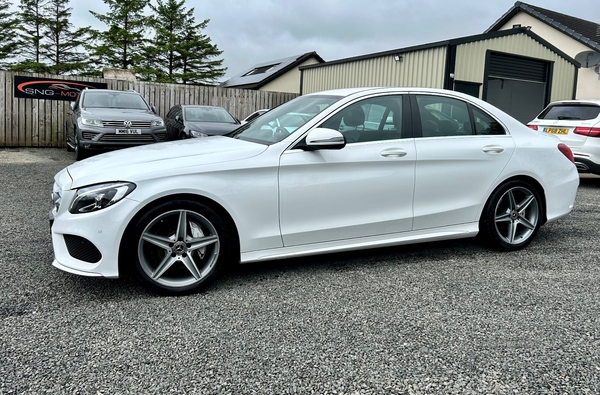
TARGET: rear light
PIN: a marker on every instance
(587, 131)
(534, 127)
(566, 152)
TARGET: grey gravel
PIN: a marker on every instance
(437, 318)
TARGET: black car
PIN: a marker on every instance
(187, 121)
(104, 119)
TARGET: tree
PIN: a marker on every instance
(121, 46)
(199, 65)
(179, 53)
(11, 39)
(63, 49)
(33, 20)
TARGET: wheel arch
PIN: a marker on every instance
(530, 180)
(227, 218)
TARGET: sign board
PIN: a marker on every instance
(52, 89)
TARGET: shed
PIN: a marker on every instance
(515, 70)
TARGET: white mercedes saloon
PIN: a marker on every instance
(331, 171)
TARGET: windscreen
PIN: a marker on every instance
(280, 122)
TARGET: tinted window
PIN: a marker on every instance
(442, 116)
(485, 124)
(571, 111)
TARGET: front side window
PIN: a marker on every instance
(372, 119)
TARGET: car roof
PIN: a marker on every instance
(578, 101)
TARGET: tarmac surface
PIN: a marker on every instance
(438, 318)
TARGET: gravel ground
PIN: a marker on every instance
(438, 318)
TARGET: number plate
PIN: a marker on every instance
(129, 131)
(557, 130)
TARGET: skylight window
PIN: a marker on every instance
(260, 70)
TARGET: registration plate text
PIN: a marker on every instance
(557, 130)
(129, 131)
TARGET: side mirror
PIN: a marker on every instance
(72, 105)
(322, 138)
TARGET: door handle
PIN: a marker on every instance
(493, 149)
(397, 152)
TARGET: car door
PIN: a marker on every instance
(365, 189)
(461, 152)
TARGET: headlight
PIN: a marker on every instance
(158, 122)
(97, 197)
(195, 133)
(91, 121)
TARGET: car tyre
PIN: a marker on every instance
(80, 152)
(512, 216)
(182, 136)
(69, 148)
(179, 247)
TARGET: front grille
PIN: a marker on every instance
(134, 124)
(134, 138)
(89, 135)
(82, 249)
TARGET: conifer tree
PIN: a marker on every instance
(10, 38)
(62, 49)
(178, 52)
(121, 46)
(33, 21)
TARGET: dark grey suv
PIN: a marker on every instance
(102, 119)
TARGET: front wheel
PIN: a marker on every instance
(512, 216)
(179, 247)
(80, 152)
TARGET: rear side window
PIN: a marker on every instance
(571, 111)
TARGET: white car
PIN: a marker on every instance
(577, 124)
(368, 167)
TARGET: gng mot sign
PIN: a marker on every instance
(52, 89)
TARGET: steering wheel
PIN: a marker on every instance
(280, 131)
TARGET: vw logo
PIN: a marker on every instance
(127, 124)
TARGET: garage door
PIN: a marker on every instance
(517, 85)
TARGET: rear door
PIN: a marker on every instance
(461, 151)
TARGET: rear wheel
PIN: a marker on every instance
(179, 247)
(512, 216)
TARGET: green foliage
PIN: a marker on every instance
(32, 24)
(167, 46)
(63, 46)
(11, 40)
(121, 46)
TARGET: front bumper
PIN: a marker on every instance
(98, 138)
(88, 244)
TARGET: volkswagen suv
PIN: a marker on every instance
(103, 119)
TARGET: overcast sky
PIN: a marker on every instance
(256, 31)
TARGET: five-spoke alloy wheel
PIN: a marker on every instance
(512, 216)
(179, 247)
